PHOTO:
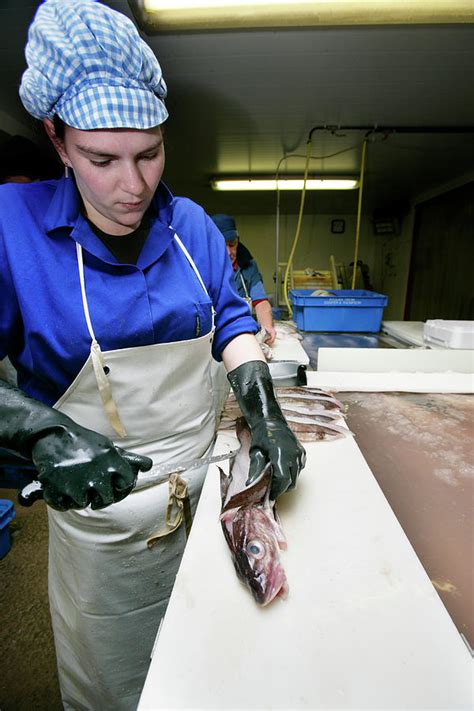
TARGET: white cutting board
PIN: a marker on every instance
(289, 349)
(340, 381)
(363, 628)
(410, 332)
(396, 360)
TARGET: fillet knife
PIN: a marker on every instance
(34, 490)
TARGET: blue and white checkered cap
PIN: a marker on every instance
(88, 64)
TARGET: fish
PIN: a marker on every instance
(251, 525)
(320, 430)
(308, 395)
(287, 330)
(317, 413)
(322, 402)
(311, 413)
(307, 391)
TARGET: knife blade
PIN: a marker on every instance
(34, 490)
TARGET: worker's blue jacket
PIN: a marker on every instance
(159, 300)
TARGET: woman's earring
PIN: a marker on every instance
(66, 170)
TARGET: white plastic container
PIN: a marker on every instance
(287, 373)
(449, 334)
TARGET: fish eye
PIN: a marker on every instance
(256, 549)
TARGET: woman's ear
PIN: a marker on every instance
(58, 143)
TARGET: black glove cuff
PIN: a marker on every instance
(253, 387)
(24, 420)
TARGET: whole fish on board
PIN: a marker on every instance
(287, 330)
(308, 395)
(251, 526)
(313, 414)
(329, 404)
(313, 430)
(316, 414)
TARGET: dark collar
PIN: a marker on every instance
(65, 206)
(65, 212)
(243, 256)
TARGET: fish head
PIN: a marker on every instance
(255, 550)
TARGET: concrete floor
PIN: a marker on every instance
(28, 678)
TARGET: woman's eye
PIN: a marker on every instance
(150, 157)
(256, 549)
(101, 163)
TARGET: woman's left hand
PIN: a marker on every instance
(272, 439)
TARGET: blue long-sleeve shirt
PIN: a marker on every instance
(158, 300)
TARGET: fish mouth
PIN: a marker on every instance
(264, 586)
(277, 586)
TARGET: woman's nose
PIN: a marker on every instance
(132, 180)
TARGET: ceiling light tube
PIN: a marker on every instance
(241, 184)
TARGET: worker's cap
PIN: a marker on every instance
(88, 64)
(226, 225)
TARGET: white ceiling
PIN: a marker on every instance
(240, 101)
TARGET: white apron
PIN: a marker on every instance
(108, 590)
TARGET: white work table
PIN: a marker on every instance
(362, 628)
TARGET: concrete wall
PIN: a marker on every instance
(391, 266)
(315, 245)
(388, 257)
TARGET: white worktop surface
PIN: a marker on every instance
(362, 628)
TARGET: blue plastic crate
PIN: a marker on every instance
(7, 512)
(349, 310)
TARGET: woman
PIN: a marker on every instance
(115, 295)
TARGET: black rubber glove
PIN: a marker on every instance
(272, 439)
(76, 466)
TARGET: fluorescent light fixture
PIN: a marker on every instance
(157, 5)
(284, 184)
(179, 15)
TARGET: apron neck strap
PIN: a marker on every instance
(196, 271)
(98, 361)
(247, 295)
(85, 305)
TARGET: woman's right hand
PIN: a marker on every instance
(78, 467)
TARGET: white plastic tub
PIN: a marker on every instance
(449, 334)
(287, 373)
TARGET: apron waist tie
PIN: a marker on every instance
(177, 511)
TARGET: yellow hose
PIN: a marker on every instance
(359, 211)
(298, 229)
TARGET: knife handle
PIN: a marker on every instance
(30, 493)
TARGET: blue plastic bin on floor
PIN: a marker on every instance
(349, 310)
(7, 512)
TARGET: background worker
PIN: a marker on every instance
(22, 161)
(115, 298)
(248, 280)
